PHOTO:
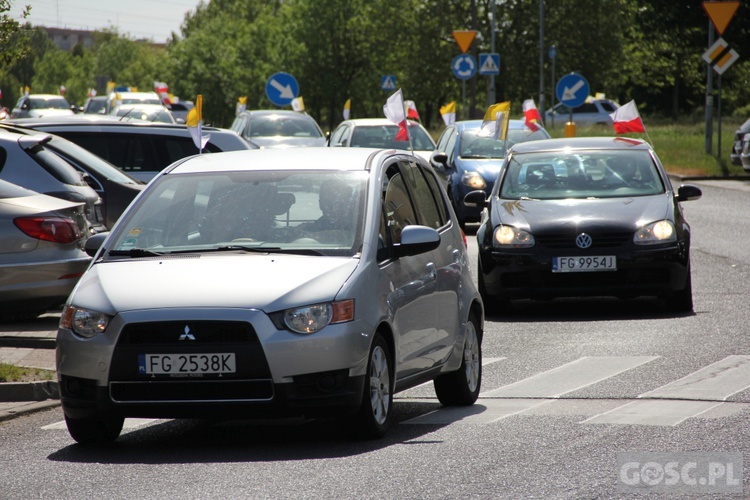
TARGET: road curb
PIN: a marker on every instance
(29, 391)
(21, 409)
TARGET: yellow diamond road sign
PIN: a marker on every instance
(720, 56)
(464, 39)
(720, 13)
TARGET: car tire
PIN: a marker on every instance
(95, 430)
(373, 419)
(682, 300)
(461, 387)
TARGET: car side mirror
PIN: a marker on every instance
(688, 192)
(476, 199)
(94, 242)
(415, 240)
(439, 158)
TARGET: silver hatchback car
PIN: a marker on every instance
(296, 282)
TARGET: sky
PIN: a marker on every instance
(151, 19)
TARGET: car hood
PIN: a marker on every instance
(626, 214)
(488, 168)
(269, 282)
(277, 142)
(39, 113)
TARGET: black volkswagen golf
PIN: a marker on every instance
(582, 217)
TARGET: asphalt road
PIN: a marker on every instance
(580, 399)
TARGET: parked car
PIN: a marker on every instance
(739, 136)
(140, 149)
(381, 133)
(38, 105)
(115, 188)
(592, 112)
(745, 153)
(278, 128)
(468, 161)
(41, 243)
(299, 282)
(584, 217)
(27, 160)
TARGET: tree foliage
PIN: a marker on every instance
(647, 50)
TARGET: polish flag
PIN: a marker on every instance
(411, 110)
(162, 89)
(533, 118)
(395, 111)
(627, 119)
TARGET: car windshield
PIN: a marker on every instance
(580, 174)
(384, 136)
(475, 146)
(306, 212)
(48, 103)
(274, 125)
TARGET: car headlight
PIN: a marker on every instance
(662, 231)
(310, 319)
(509, 236)
(473, 180)
(84, 322)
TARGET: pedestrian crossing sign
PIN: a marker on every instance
(489, 64)
(388, 82)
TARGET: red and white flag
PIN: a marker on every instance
(411, 110)
(533, 118)
(162, 89)
(627, 119)
(395, 111)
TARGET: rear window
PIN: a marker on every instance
(138, 152)
(56, 166)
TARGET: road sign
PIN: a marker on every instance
(464, 39)
(720, 13)
(720, 56)
(572, 90)
(489, 64)
(281, 89)
(388, 82)
(464, 66)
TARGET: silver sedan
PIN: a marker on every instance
(297, 282)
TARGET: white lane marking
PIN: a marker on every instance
(482, 412)
(130, 424)
(485, 362)
(653, 412)
(570, 377)
(716, 382)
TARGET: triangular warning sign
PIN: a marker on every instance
(489, 66)
(720, 13)
(464, 39)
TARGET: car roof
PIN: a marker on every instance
(45, 96)
(87, 120)
(472, 124)
(281, 112)
(371, 122)
(580, 143)
(302, 158)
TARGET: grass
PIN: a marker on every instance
(12, 373)
(681, 146)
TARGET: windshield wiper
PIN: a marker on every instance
(135, 252)
(229, 248)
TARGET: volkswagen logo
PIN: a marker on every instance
(583, 240)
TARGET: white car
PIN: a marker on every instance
(592, 112)
(381, 133)
(298, 282)
(39, 105)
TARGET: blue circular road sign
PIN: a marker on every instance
(464, 66)
(281, 89)
(572, 90)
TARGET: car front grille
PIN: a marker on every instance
(598, 240)
(252, 380)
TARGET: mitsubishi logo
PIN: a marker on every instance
(187, 335)
(583, 240)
